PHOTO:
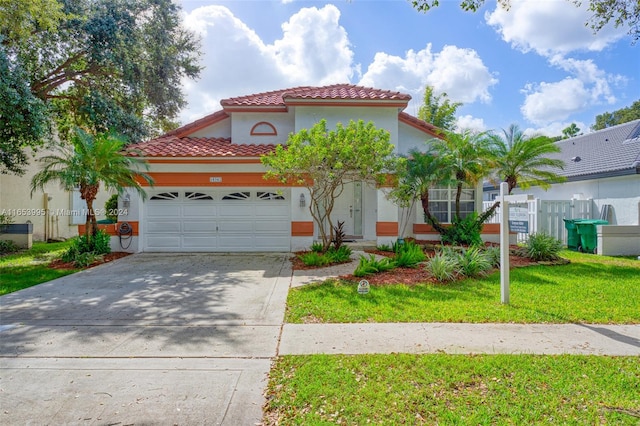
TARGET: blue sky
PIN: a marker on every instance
(536, 65)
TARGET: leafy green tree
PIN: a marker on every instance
(623, 115)
(570, 131)
(22, 18)
(621, 12)
(24, 123)
(101, 64)
(324, 160)
(438, 110)
(89, 162)
(525, 160)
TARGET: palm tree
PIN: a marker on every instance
(465, 156)
(89, 162)
(524, 161)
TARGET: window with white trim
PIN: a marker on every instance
(442, 203)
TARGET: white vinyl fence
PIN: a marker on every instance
(546, 216)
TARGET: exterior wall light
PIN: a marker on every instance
(126, 201)
(303, 200)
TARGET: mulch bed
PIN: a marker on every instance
(109, 257)
(412, 276)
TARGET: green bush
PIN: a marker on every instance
(409, 255)
(341, 255)
(111, 206)
(443, 266)
(317, 247)
(473, 261)
(314, 258)
(371, 265)
(7, 246)
(384, 247)
(82, 250)
(541, 247)
(493, 254)
(465, 231)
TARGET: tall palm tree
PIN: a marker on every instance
(524, 161)
(89, 162)
(465, 156)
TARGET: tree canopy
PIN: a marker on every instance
(623, 13)
(620, 116)
(97, 64)
(570, 131)
(324, 160)
(438, 110)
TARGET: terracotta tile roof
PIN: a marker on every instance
(198, 124)
(420, 124)
(173, 146)
(334, 92)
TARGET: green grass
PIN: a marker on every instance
(30, 267)
(453, 389)
(591, 289)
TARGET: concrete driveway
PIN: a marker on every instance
(149, 339)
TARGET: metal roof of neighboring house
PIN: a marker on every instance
(612, 151)
(173, 146)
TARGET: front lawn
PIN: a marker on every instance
(453, 389)
(30, 267)
(591, 289)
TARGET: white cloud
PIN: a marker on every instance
(556, 128)
(458, 72)
(471, 123)
(237, 62)
(587, 86)
(550, 26)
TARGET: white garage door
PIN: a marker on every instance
(232, 220)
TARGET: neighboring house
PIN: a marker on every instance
(210, 193)
(54, 213)
(603, 166)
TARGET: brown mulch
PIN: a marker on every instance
(109, 257)
(419, 275)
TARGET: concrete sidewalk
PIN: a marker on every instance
(585, 339)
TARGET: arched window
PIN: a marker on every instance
(263, 129)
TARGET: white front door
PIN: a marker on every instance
(348, 209)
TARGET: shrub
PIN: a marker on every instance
(409, 255)
(101, 243)
(80, 251)
(541, 247)
(339, 235)
(314, 258)
(111, 206)
(82, 260)
(493, 255)
(473, 261)
(443, 266)
(317, 247)
(384, 247)
(7, 246)
(464, 231)
(371, 265)
(341, 255)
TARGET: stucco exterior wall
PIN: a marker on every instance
(243, 122)
(412, 138)
(221, 129)
(16, 199)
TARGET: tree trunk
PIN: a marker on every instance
(88, 193)
(433, 221)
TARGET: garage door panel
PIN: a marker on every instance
(199, 210)
(269, 210)
(272, 243)
(236, 209)
(235, 242)
(164, 209)
(272, 226)
(235, 226)
(199, 226)
(163, 226)
(201, 241)
(163, 241)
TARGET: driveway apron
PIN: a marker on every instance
(149, 339)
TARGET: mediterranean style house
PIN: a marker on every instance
(210, 193)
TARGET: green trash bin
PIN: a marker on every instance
(588, 231)
(573, 239)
